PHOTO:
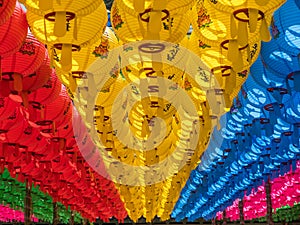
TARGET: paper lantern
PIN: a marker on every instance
(74, 9)
(24, 62)
(13, 31)
(246, 12)
(223, 69)
(53, 115)
(213, 30)
(285, 29)
(31, 83)
(6, 107)
(12, 123)
(47, 93)
(6, 10)
(77, 34)
(92, 59)
(167, 26)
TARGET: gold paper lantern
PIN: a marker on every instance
(100, 58)
(75, 33)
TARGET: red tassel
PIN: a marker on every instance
(24, 95)
(18, 86)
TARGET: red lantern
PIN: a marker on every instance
(6, 9)
(53, 116)
(14, 121)
(32, 82)
(24, 62)
(6, 107)
(47, 93)
(14, 31)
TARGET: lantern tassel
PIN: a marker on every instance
(253, 15)
(233, 28)
(75, 31)
(66, 57)
(264, 31)
(62, 144)
(242, 33)
(154, 26)
(72, 83)
(60, 24)
(142, 30)
(24, 95)
(18, 85)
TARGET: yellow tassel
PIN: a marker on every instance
(72, 83)
(60, 24)
(145, 128)
(18, 85)
(75, 31)
(238, 63)
(45, 5)
(160, 109)
(233, 28)
(214, 107)
(253, 16)
(154, 25)
(219, 78)
(139, 6)
(142, 29)
(264, 31)
(233, 50)
(227, 101)
(242, 33)
(66, 57)
(104, 133)
(101, 114)
(230, 82)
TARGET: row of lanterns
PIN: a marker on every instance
(85, 72)
(12, 196)
(36, 121)
(88, 59)
(258, 139)
(284, 192)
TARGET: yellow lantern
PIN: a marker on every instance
(214, 29)
(248, 12)
(61, 12)
(77, 34)
(99, 58)
(223, 69)
(129, 28)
